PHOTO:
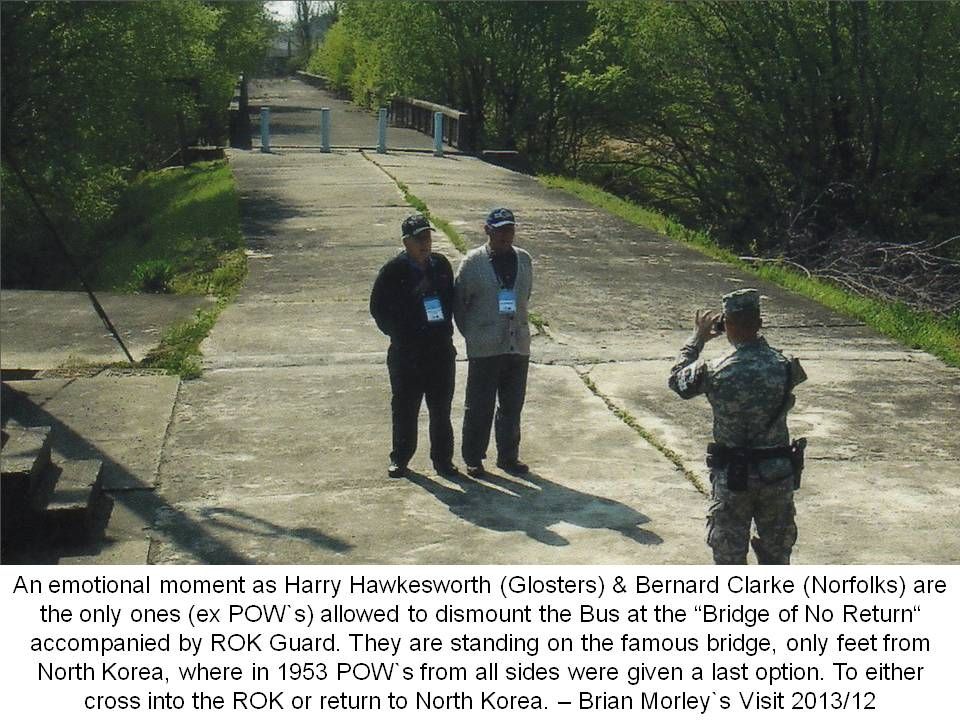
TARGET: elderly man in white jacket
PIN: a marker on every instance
(493, 287)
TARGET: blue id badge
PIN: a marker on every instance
(433, 308)
(507, 299)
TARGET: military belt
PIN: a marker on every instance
(737, 460)
(719, 456)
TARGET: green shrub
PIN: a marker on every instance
(153, 276)
(335, 58)
(186, 217)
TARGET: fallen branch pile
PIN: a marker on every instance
(922, 275)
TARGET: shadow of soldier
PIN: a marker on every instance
(532, 504)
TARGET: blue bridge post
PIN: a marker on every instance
(265, 129)
(438, 134)
(382, 132)
(325, 130)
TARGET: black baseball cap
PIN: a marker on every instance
(414, 225)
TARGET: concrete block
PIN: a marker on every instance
(77, 509)
(25, 453)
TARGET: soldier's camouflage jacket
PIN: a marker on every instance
(745, 388)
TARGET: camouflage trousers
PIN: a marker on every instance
(769, 506)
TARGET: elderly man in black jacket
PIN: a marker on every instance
(412, 302)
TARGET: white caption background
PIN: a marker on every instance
(501, 641)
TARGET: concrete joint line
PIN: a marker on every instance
(617, 361)
(878, 457)
(544, 330)
(592, 362)
(815, 326)
(841, 355)
(294, 366)
(409, 198)
(627, 419)
(167, 431)
(622, 414)
(151, 540)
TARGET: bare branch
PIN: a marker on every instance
(749, 258)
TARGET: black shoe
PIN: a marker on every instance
(446, 468)
(396, 471)
(514, 467)
(476, 471)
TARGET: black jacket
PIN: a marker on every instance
(396, 304)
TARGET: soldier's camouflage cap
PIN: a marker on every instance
(741, 300)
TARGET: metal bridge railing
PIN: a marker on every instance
(418, 114)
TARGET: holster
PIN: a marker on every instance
(733, 460)
(737, 460)
(797, 448)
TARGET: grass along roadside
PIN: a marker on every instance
(181, 234)
(923, 331)
(175, 231)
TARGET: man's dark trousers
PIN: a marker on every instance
(490, 378)
(414, 376)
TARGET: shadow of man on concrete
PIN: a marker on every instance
(532, 504)
(242, 522)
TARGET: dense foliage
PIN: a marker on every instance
(827, 133)
(503, 63)
(779, 116)
(93, 92)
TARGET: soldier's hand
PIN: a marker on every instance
(705, 323)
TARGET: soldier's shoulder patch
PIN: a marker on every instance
(691, 376)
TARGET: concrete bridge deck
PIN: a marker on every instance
(278, 453)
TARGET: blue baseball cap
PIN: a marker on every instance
(500, 217)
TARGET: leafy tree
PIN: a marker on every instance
(774, 120)
(336, 58)
(502, 63)
(93, 92)
(311, 21)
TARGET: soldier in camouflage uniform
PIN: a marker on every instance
(751, 473)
